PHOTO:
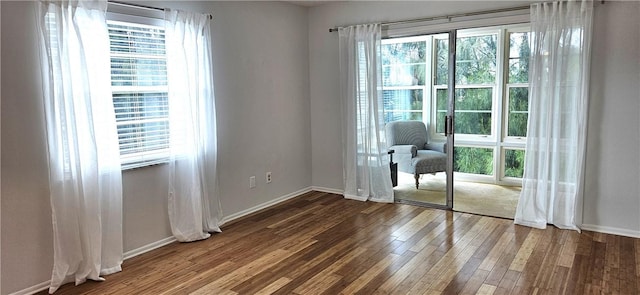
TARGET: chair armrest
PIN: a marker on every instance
(437, 146)
(405, 149)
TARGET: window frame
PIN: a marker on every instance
(482, 139)
(515, 140)
(426, 89)
(509, 142)
(498, 140)
(130, 16)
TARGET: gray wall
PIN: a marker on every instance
(612, 192)
(612, 195)
(278, 110)
(262, 96)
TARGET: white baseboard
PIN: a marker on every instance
(243, 213)
(149, 247)
(129, 254)
(327, 190)
(611, 230)
(33, 289)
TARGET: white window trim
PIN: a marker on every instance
(425, 88)
(479, 138)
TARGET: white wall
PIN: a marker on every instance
(26, 247)
(612, 191)
(612, 197)
(262, 92)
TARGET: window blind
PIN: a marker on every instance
(139, 91)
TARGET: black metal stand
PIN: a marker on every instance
(394, 169)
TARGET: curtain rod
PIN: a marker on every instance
(416, 20)
(143, 6)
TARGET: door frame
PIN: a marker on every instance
(450, 117)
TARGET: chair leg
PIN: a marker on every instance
(417, 176)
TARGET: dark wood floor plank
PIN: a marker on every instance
(508, 282)
(577, 276)
(454, 259)
(628, 278)
(505, 259)
(558, 283)
(320, 243)
(611, 278)
(532, 270)
(637, 249)
(411, 271)
(395, 265)
(420, 235)
(551, 256)
(473, 285)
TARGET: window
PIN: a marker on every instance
(516, 113)
(476, 72)
(491, 96)
(139, 90)
(404, 78)
(518, 84)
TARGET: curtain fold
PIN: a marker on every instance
(194, 206)
(366, 162)
(84, 160)
(552, 185)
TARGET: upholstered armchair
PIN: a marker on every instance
(413, 152)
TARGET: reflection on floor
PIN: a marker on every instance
(470, 197)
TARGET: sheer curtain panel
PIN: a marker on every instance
(552, 185)
(366, 162)
(194, 206)
(84, 161)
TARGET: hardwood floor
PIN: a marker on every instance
(320, 243)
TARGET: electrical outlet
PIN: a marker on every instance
(252, 182)
(268, 177)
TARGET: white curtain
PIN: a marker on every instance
(194, 207)
(558, 99)
(84, 161)
(366, 162)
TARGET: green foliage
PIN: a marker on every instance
(442, 61)
(514, 163)
(476, 59)
(473, 110)
(404, 53)
(518, 111)
(404, 63)
(473, 160)
(519, 51)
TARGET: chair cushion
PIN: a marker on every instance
(428, 161)
(406, 133)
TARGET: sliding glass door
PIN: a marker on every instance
(412, 67)
(486, 113)
(491, 111)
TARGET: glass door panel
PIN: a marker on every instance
(412, 73)
(490, 119)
